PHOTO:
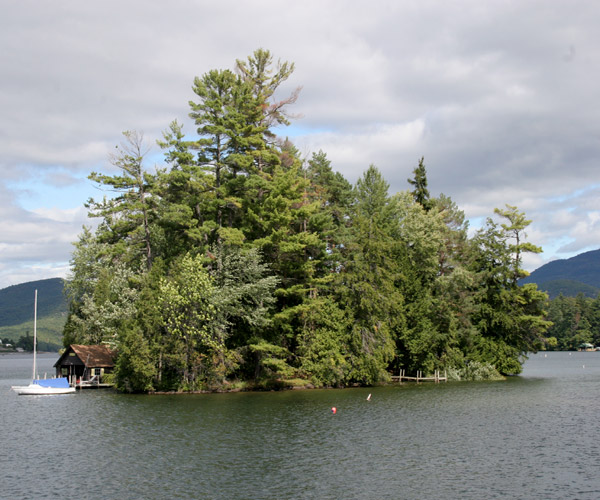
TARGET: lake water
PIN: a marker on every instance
(536, 436)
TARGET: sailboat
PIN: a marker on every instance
(44, 386)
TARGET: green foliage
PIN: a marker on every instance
(367, 283)
(474, 371)
(323, 343)
(101, 312)
(240, 260)
(49, 330)
(508, 317)
(575, 320)
(243, 293)
(514, 229)
(134, 370)
(127, 216)
(187, 315)
(270, 360)
(16, 311)
(567, 287)
(505, 358)
(419, 182)
(16, 301)
(25, 343)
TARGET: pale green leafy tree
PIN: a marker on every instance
(188, 312)
(99, 313)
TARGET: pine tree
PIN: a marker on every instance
(366, 283)
(127, 216)
(508, 317)
(420, 193)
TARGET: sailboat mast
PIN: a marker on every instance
(34, 334)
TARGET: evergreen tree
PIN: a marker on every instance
(324, 342)
(366, 284)
(508, 317)
(514, 229)
(420, 193)
(221, 118)
(334, 196)
(128, 215)
(265, 79)
(243, 295)
(186, 193)
(134, 369)
(420, 344)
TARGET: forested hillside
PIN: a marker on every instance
(575, 321)
(569, 277)
(568, 288)
(574, 307)
(239, 262)
(16, 302)
(17, 308)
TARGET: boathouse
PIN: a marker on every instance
(85, 365)
(586, 347)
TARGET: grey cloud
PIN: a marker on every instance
(499, 97)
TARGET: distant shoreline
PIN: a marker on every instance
(3, 353)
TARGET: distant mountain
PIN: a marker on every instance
(16, 310)
(579, 274)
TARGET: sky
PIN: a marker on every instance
(499, 97)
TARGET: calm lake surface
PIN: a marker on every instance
(534, 436)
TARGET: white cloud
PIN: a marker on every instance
(36, 244)
(353, 152)
(498, 97)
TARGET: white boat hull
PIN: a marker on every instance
(38, 390)
(39, 387)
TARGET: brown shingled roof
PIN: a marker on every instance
(97, 356)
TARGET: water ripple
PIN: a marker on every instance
(533, 436)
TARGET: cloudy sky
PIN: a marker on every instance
(500, 97)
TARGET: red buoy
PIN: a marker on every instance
(334, 410)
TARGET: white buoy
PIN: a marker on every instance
(369, 397)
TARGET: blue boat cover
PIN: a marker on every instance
(59, 383)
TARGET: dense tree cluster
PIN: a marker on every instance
(25, 342)
(575, 321)
(239, 260)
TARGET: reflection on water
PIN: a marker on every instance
(533, 436)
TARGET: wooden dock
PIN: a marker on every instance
(86, 385)
(93, 383)
(437, 377)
